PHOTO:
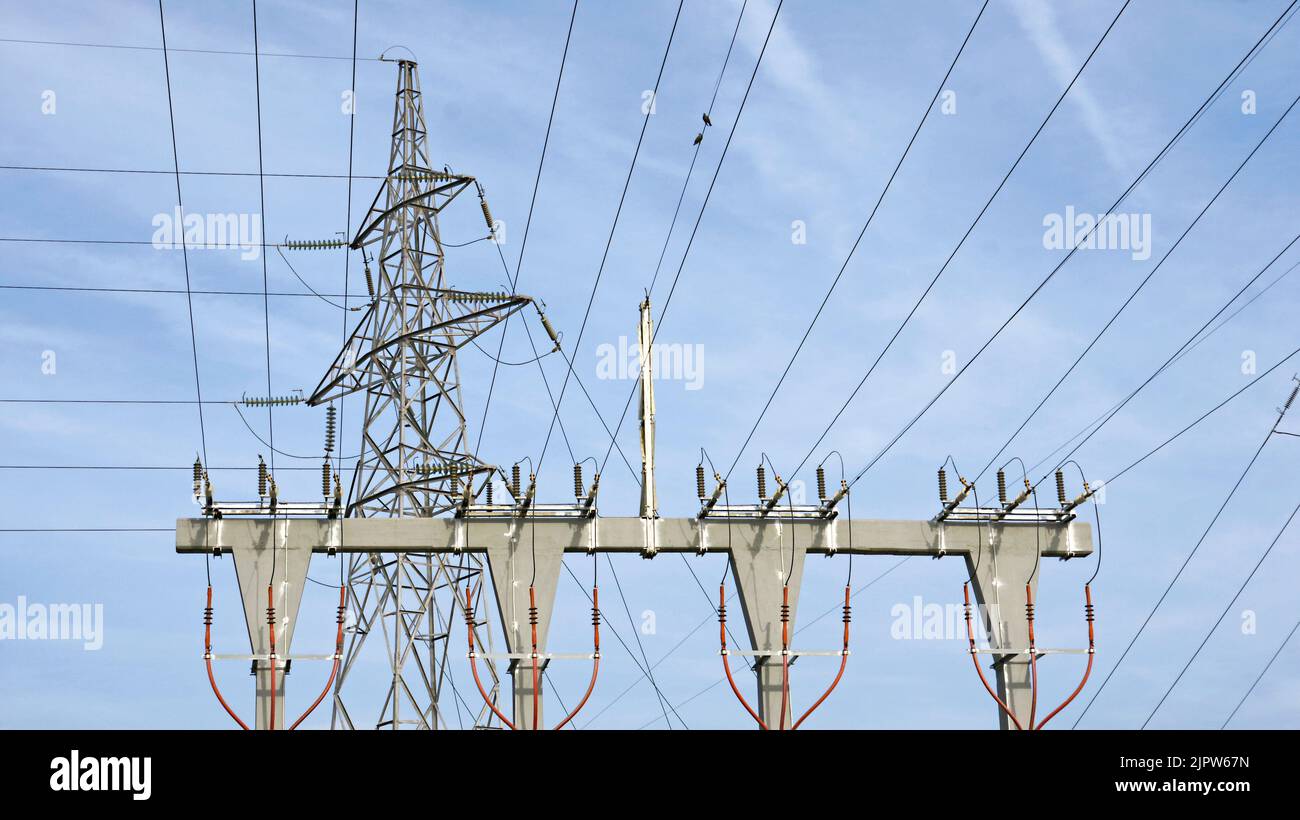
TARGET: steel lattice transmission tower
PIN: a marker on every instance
(415, 459)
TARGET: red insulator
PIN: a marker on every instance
(974, 656)
(595, 656)
(270, 620)
(532, 620)
(338, 658)
(785, 655)
(1088, 614)
(726, 664)
(844, 659)
(473, 657)
(1033, 656)
(207, 659)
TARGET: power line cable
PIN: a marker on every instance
(568, 362)
(685, 184)
(261, 189)
(149, 171)
(1141, 176)
(1109, 481)
(1133, 294)
(1169, 361)
(695, 154)
(644, 675)
(15, 41)
(1216, 408)
(1176, 359)
(528, 223)
(114, 401)
(1261, 675)
(1094, 423)
(713, 617)
(609, 241)
(514, 279)
(189, 299)
(961, 243)
(277, 450)
(178, 292)
(347, 270)
(636, 633)
(1223, 614)
(925, 116)
(64, 241)
(294, 271)
(546, 383)
(686, 181)
(130, 467)
(699, 217)
(1190, 555)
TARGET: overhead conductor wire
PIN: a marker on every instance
(699, 217)
(867, 224)
(1245, 582)
(1141, 176)
(1190, 555)
(1142, 284)
(270, 408)
(207, 611)
(609, 241)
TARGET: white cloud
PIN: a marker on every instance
(1039, 22)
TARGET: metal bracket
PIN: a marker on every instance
(649, 537)
(461, 535)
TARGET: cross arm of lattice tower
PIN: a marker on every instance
(415, 460)
(366, 361)
(404, 189)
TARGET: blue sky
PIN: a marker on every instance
(833, 105)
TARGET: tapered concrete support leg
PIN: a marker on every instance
(263, 682)
(270, 559)
(513, 569)
(761, 570)
(770, 678)
(1000, 576)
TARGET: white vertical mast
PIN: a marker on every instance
(645, 333)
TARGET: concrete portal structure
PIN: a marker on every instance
(999, 584)
(262, 561)
(765, 551)
(516, 566)
(761, 568)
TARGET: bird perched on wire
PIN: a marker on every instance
(700, 136)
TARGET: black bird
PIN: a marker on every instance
(698, 138)
(707, 121)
